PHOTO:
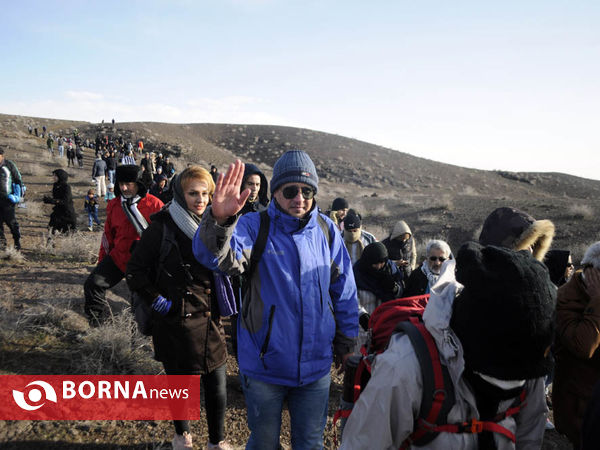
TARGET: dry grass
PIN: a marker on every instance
(116, 348)
(75, 246)
(580, 211)
(11, 254)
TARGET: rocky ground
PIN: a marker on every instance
(42, 328)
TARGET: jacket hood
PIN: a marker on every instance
(517, 230)
(399, 229)
(556, 261)
(263, 192)
(61, 174)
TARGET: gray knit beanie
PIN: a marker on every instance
(294, 166)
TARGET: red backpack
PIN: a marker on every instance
(405, 315)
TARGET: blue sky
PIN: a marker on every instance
(509, 85)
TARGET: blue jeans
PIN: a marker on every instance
(308, 413)
(93, 216)
(111, 176)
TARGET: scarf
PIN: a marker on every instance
(185, 220)
(132, 213)
(431, 277)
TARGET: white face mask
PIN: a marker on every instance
(351, 236)
(506, 385)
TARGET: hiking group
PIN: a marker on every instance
(456, 352)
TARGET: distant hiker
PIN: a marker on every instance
(99, 175)
(422, 279)
(44, 129)
(35, 130)
(182, 287)
(494, 388)
(11, 191)
(91, 207)
(560, 265)
(339, 209)
(161, 190)
(128, 159)
(70, 156)
(146, 177)
(63, 218)
(127, 216)
(61, 147)
(355, 238)
(168, 168)
(377, 277)
(140, 146)
(111, 166)
(50, 145)
(301, 306)
(214, 173)
(517, 230)
(256, 182)
(576, 349)
(401, 247)
(79, 156)
(146, 163)
(110, 192)
(29, 129)
(113, 122)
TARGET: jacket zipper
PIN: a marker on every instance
(265, 345)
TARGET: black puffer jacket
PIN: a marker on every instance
(63, 217)
(190, 336)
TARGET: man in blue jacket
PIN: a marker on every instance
(301, 306)
(11, 190)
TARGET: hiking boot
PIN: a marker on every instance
(182, 441)
(17, 245)
(223, 445)
(90, 228)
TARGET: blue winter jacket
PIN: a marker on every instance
(302, 296)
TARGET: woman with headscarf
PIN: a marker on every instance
(63, 218)
(187, 332)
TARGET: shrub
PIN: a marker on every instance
(75, 246)
(116, 348)
(580, 211)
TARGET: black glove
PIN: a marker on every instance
(48, 199)
(363, 321)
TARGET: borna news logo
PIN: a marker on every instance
(35, 396)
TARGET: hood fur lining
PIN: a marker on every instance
(539, 236)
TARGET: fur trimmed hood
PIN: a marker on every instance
(517, 230)
(400, 228)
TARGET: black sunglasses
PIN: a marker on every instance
(291, 191)
(435, 258)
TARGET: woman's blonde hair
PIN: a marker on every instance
(196, 172)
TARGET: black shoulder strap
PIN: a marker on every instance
(325, 228)
(438, 391)
(259, 245)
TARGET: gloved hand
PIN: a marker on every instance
(363, 321)
(161, 305)
(48, 199)
(14, 198)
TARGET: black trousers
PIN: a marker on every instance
(7, 216)
(214, 387)
(103, 277)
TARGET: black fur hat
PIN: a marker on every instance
(504, 316)
(128, 173)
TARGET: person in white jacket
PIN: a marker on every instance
(493, 332)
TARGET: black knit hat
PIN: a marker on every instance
(129, 173)
(504, 316)
(339, 203)
(352, 220)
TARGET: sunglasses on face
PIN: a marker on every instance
(290, 192)
(436, 258)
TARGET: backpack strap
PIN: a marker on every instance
(438, 391)
(259, 245)
(325, 228)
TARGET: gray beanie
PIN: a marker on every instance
(294, 166)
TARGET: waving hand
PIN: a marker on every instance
(227, 200)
